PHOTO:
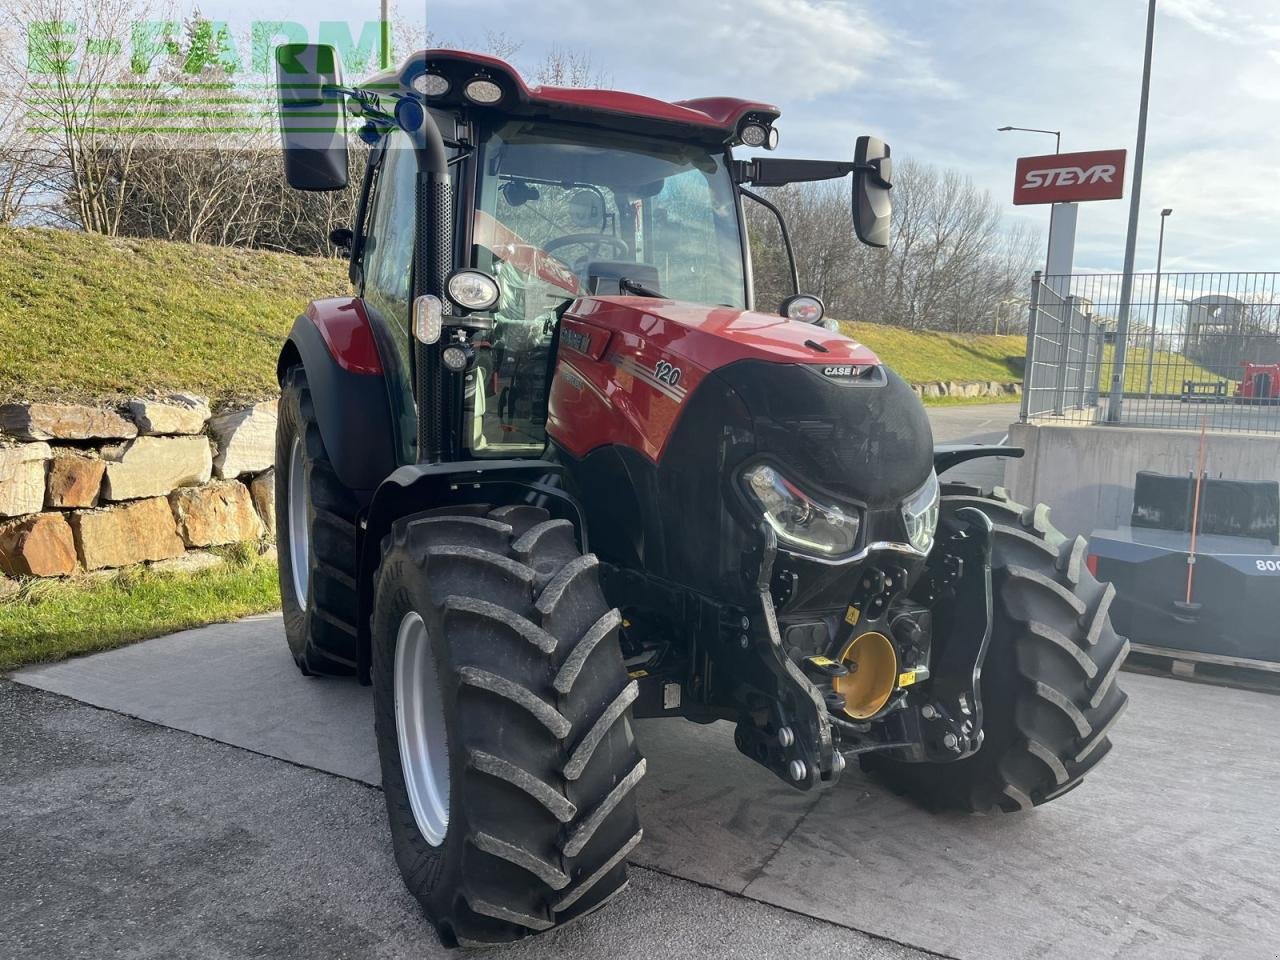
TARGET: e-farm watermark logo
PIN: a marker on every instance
(198, 78)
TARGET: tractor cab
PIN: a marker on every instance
(556, 194)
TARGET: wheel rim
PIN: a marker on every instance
(420, 729)
(299, 533)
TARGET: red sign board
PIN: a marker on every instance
(1070, 177)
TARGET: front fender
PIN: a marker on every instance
(334, 343)
(425, 486)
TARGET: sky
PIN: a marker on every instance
(935, 78)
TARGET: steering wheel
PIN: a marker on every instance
(593, 240)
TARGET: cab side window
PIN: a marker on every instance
(388, 248)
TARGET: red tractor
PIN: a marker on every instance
(550, 469)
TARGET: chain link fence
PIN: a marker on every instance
(1199, 346)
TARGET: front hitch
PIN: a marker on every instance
(946, 723)
(787, 728)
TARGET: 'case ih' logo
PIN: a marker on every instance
(1070, 177)
(842, 370)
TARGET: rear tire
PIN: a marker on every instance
(537, 759)
(1049, 691)
(315, 539)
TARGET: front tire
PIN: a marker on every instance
(509, 775)
(1049, 691)
(315, 539)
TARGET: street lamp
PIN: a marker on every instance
(1056, 134)
(1115, 405)
(1057, 148)
(1155, 306)
(384, 35)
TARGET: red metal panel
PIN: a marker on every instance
(1070, 177)
(721, 113)
(344, 325)
(658, 352)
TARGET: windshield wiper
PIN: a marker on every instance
(639, 289)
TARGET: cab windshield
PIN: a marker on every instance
(564, 211)
(559, 207)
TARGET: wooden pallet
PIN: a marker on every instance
(1205, 667)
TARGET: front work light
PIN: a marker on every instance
(482, 91)
(799, 520)
(473, 289)
(430, 85)
(428, 317)
(754, 135)
(920, 513)
(804, 308)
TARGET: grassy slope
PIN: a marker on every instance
(89, 318)
(59, 619)
(921, 357)
(86, 317)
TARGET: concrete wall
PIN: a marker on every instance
(1086, 473)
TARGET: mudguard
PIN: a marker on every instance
(426, 486)
(349, 391)
(948, 455)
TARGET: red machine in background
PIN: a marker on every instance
(1260, 383)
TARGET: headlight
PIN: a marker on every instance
(920, 512)
(799, 520)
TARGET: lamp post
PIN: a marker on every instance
(1057, 148)
(1155, 306)
(384, 36)
(1116, 403)
(1057, 134)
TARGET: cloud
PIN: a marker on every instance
(1233, 24)
(784, 51)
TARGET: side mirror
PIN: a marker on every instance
(872, 181)
(313, 116)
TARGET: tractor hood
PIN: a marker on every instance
(711, 337)
(664, 377)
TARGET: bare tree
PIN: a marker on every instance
(563, 67)
(950, 264)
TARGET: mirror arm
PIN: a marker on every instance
(786, 237)
(778, 171)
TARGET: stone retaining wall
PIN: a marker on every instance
(967, 388)
(84, 489)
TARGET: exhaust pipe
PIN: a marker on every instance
(432, 264)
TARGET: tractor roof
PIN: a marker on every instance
(716, 118)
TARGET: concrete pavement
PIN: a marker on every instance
(121, 838)
(974, 423)
(1167, 850)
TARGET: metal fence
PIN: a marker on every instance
(1200, 346)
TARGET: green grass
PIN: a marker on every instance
(1168, 372)
(89, 318)
(52, 620)
(920, 356)
(84, 317)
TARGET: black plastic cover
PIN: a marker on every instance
(1232, 508)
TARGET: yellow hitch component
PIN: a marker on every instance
(872, 677)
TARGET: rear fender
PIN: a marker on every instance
(335, 344)
(425, 486)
